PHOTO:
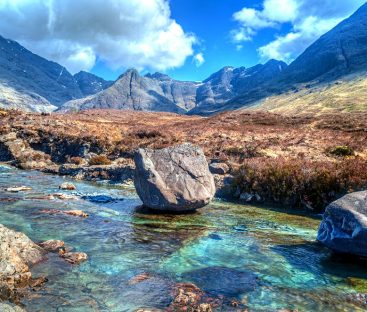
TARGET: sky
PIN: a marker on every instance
(186, 39)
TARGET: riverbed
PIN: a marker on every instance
(265, 259)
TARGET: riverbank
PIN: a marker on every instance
(301, 162)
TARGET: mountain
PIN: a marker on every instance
(230, 82)
(31, 83)
(339, 55)
(91, 84)
(341, 51)
(29, 73)
(157, 92)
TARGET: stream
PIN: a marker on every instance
(264, 258)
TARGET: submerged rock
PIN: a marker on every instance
(173, 179)
(139, 278)
(17, 189)
(73, 213)
(4, 307)
(52, 245)
(222, 280)
(344, 225)
(74, 257)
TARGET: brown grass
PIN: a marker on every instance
(270, 143)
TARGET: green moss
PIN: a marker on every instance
(341, 151)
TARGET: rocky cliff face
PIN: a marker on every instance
(131, 91)
(230, 82)
(91, 84)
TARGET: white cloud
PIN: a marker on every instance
(199, 59)
(134, 33)
(309, 20)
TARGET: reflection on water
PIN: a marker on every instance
(268, 260)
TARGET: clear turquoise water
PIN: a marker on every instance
(266, 259)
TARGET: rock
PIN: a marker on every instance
(64, 196)
(224, 186)
(139, 278)
(246, 197)
(74, 213)
(52, 245)
(17, 189)
(344, 225)
(186, 294)
(219, 168)
(67, 186)
(77, 213)
(74, 257)
(173, 179)
(17, 254)
(222, 281)
(37, 283)
(4, 307)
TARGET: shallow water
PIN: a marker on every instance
(266, 259)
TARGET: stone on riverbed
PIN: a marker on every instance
(17, 189)
(4, 307)
(52, 245)
(344, 225)
(17, 254)
(74, 257)
(67, 186)
(174, 178)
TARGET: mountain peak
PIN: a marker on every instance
(158, 76)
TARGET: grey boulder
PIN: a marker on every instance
(344, 225)
(174, 178)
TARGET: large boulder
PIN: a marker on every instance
(344, 225)
(173, 179)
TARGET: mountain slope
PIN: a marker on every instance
(131, 91)
(29, 73)
(31, 83)
(340, 52)
(91, 84)
(230, 82)
(348, 94)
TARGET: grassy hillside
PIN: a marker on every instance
(347, 95)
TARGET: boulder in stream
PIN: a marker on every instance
(344, 225)
(174, 178)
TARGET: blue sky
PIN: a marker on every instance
(187, 39)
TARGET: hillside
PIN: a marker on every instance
(348, 94)
(339, 53)
(32, 83)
